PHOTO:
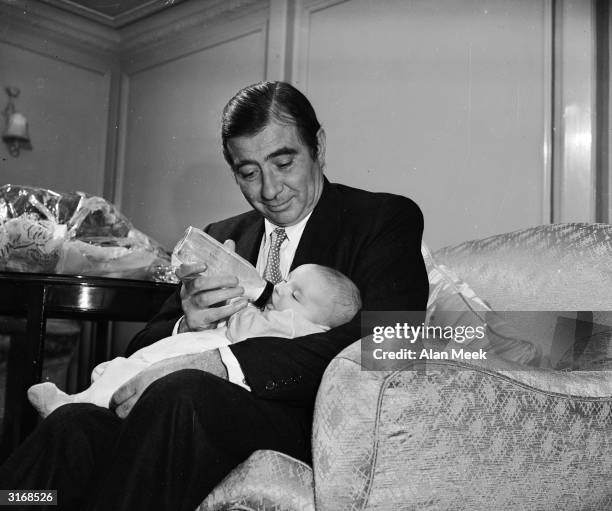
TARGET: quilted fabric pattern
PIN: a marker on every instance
(460, 438)
(551, 267)
(267, 480)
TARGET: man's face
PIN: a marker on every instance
(277, 174)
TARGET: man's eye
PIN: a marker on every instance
(295, 296)
(248, 175)
(283, 164)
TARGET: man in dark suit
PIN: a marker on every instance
(180, 426)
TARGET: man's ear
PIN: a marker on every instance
(321, 147)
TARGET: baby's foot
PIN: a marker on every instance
(46, 397)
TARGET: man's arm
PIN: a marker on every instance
(390, 274)
(195, 299)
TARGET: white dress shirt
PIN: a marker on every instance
(287, 253)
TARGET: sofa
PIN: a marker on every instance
(530, 429)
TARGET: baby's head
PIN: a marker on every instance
(320, 294)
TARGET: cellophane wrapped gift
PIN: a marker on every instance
(43, 231)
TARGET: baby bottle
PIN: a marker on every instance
(197, 247)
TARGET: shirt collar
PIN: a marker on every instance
(294, 232)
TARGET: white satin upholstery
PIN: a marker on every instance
(458, 435)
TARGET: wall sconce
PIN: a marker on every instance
(15, 135)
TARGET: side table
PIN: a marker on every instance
(37, 297)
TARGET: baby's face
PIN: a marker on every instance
(304, 292)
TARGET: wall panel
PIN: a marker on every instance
(67, 104)
(444, 101)
(174, 173)
(575, 112)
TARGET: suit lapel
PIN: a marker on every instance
(322, 230)
(248, 244)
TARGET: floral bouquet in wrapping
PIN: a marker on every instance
(44, 231)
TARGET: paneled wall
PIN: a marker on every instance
(174, 174)
(446, 102)
(63, 67)
(575, 150)
(451, 102)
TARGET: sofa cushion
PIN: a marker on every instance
(266, 480)
(452, 302)
(447, 291)
(549, 272)
(461, 436)
(558, 267)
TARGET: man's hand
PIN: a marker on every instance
(128, 394)
(199, 293)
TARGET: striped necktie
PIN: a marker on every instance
(272, 272)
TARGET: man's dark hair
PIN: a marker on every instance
(255, 106)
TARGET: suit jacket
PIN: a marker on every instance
(372, 238)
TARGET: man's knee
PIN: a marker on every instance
(76, 416)
(183, 388)
(77, 427)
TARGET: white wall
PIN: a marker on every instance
(56, 98)
(174, 173)
(65, 88)
(448, 102)
(441, 101)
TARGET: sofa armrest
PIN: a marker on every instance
(461, 436)
(266, 480)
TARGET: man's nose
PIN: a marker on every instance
(271, 186)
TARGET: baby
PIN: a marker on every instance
(313, 299)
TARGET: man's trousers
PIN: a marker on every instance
(186, 432)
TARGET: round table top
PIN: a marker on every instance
(85, 280)
(75, 295)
